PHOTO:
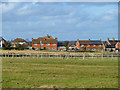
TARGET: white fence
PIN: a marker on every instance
(63, 56)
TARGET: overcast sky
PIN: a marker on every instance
(66, 21)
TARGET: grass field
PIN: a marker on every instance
(59, 73)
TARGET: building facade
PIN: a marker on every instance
(44, 43)
(18, 41)
(2, 42)
(89, 44)
(111, 45)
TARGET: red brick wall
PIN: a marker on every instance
(45, 45)
(90, 46)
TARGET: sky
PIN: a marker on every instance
(64, 20)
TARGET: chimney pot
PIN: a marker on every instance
(113, 39)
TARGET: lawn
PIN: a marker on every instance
(59, 73)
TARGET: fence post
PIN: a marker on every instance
(83, 56)
(92, 55)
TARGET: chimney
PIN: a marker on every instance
(56, 38)
(113, 39)
(107, 39)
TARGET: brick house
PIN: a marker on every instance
(45, 43)
(2, 42)
(72, 45)
(111, 45)
(18, 41)
(117, 46)
(89, 44)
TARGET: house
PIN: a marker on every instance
(89, 44)
(18, 42)
(72, 45)
(117, 46)
(111, 45)
(62, 48)
(2, 42)
(45, 43)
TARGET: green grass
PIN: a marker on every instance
(60, 73)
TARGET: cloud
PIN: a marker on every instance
(55, 18)
(7, 7)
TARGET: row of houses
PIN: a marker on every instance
(50, 43)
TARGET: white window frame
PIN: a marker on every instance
(47, 44)
(35, 44)
(53, 44)
(53, 47)
(82, 45)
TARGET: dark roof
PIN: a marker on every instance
(84, 41)
(93, 42)
(44, 41)
(96, 42)
(113, 42)
(1, 38)
(18, 40)
(71, 43)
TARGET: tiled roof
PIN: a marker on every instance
(96, 42)
(113, 42)
(84, 42)
(93, 42)
(44, 41)
(18, 40)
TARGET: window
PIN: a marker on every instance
(54, 48)
(93, 45)
(35, 44)
(99, 45)
(53, 44)
(21, 42)
(93, 49)
(35, 48)
(82, 45)
(88, 45)
(48, 44)
(41, 44)
(42, 48)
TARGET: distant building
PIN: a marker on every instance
(2, 42)
(45, 43)
(72, 45)
(18, 41)
(89, 44)
(62, 48)
(111, 45)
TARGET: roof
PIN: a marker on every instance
(44, 41)
(93, 42)
(1, 38)
(113, 42)
(18, 40)
(84, 41)
(96, 42)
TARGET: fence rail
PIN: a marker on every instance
(41, 55)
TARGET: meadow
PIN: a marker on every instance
(59, 73)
